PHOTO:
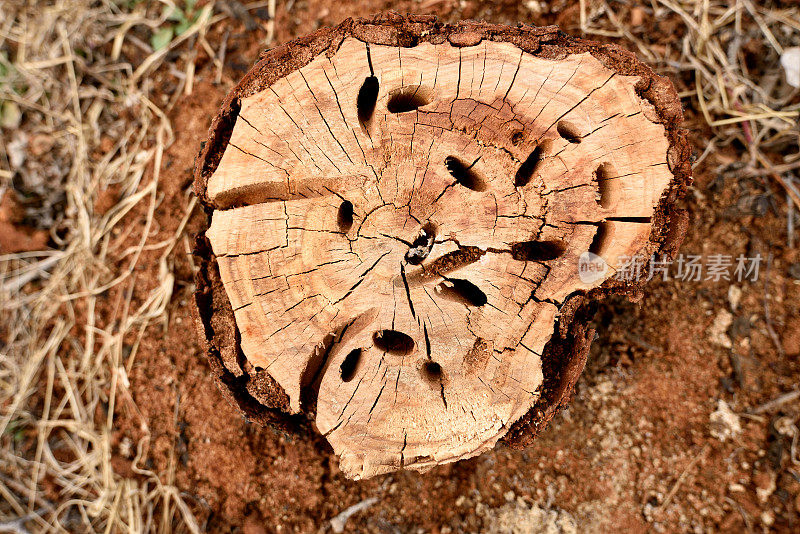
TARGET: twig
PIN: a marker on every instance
(223, 49)
(776, 402)
(683, 476)
(791, 190)
(270, 22)
(747, 522)
(790, 220)
(153, 59)
(636, 340)
(338, 522)
(773, 169)
(767, 317)
(708, 150)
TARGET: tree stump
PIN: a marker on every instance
(397, 213)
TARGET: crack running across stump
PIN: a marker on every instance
(398, 210)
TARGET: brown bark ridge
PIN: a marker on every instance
(397, 210)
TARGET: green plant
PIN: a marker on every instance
(182, 19)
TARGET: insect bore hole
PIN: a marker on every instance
(367, 97)
(345, 216)
(569, 132)
(601, 240)
(407, 99)
(537, 250)
(464, 174)
(529, 167)
(432, 371)
(393, 342)
(607, 188)
(350, 364)
(462, 291)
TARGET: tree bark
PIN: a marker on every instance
(397, 214)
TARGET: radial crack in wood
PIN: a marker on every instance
(396, 227)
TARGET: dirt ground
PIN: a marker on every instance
(668, 430)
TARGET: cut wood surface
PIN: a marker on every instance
(397, 226)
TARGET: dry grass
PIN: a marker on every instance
(744, 103)
(64, 69)
(94, 111)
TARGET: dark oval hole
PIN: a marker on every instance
(537, 250)
(345, 216)
(528, 167)
(604, 173)
(432, 371)
(464, 174)
(569, 132)
(600, 238)
(463, 291)
(349, 365)
(517, 138)
(367, 97)
(407, 99)
(393, 342)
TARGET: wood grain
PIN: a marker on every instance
(406, 259)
